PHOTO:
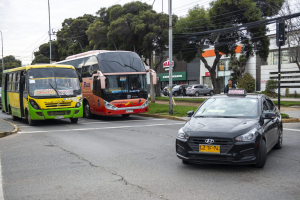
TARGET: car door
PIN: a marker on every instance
(274, 124)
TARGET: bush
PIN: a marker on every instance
(246, 82)
(271, 86)
(284, 116)
(287, 92)
(295, 94)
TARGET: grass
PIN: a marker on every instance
(287, 103)
(179, 111)
(285, 116)
(180, 99)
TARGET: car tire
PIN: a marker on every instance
(125, 115)
(278, 145)
(87, 112)
(262, 155)
(211, 93)
(14, 118)
(205, 94)
(30, 121)
(175, 94)
(185, 162)
(74, 120)
(196, 94)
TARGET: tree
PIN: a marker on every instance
(223, 14)
(293, 26)
(246, 82)
(43, 55)
(132, 27)
(238, 66)
(10, 62)
(72, 38)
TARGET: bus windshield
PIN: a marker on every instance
(126, 83)
(41, 82)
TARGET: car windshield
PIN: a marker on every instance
(44, 81)
(177, 86)
(228, 107)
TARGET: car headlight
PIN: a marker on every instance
(78, 104)
(109, 105)
(145, 104)
(250, 136)
(182, 135)
(34, 104)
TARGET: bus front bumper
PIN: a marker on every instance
(60, 113)
(129, 111)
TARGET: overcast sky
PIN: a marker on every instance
(25, 23)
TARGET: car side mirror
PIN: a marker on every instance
(190, 113)
(269, 115)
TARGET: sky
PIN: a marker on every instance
(25, 23)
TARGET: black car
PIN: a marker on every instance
(231, 129)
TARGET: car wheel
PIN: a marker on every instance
(14, 118)
(197, 94)
(205, 94)
(185, 162)
(262, 155)
(125, 115)
(30, 121)
(278, 145)
(175, 94)
(87, 111)
(74, 120)
(211, 93)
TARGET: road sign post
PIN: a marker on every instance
(170, 59)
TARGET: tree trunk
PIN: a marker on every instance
(157, 87)
(152, 95)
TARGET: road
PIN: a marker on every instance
(134, 158)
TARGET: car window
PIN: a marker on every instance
(271, 105)
(265, 107)
(200, 86)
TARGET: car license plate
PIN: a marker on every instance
(59, 117)
(209, 148)
(129, 111)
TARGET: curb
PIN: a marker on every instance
(161, 116)
(292, 120)
(3, 134)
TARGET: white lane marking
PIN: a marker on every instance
(84, 129)
(289, 129)
(100, 122)
(1, 186)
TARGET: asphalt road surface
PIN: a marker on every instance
(134, 158)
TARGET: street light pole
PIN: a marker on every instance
(2, 51)
(170, 59)
(49, 30)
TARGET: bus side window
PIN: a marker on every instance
(9, 82)
(25, 86)
(13, 84)
(17, 82)
(97, 87)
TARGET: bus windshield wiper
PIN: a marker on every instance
(121, 64)
(56, 92)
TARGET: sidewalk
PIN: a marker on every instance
(6, 128)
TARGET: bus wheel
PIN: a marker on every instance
(125, 115)
(74, 120)
(30, 121)
(14, 118)
(87, 112)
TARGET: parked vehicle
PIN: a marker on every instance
(166, 90)
(178, 89)
(196, 90)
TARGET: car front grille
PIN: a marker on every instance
(56, 113)
(225, 143)
(51, 105)
(211, 157)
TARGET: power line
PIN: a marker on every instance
(33, 44)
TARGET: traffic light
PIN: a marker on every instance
(281, 32)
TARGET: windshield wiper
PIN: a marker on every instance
(56, 92)
(121, 64)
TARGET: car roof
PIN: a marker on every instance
(252, 96)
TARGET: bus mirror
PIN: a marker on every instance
(102, 78)
(79, 76)
(154, 76)
(102, 82)
(22, 80)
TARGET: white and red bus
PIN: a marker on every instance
(113, 82)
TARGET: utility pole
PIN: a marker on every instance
(49, 31)
(2, 52)
(170, 59)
